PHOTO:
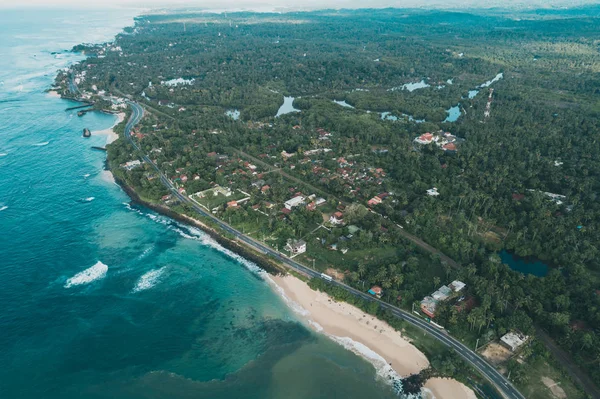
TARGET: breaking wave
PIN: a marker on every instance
(3, 154)
(384, 370)
(88, 199)
(149, 279)
(145, 253)
(196, 234)
(41, 144)
(96, 272)
(3, 208)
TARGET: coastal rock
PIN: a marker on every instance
(86, 132)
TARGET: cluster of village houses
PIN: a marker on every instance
(442, 294)
(512, 340)
(444, 140)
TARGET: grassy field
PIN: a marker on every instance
(325, 258)
(535, 388)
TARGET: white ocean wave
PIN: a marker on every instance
(316, 326)
(145, 253)
(88, 199)
(149, 280)
(96, 272)
(3, 208)
(86, 175)
(196, 234)
(41, 144)
(3, 154)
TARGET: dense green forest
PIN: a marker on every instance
(541, 136)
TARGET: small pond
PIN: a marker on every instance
(388, 116)
(287, 107)
(453, 113)
(523, 265)
(411, 86)
(473, 93)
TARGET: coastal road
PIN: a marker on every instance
(488, 371)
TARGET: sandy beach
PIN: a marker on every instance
(375, 340)
(445, 388)
(53, 94)
(111, 135)
(354, 329)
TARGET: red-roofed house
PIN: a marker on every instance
(232, 204)
(374, 201)
(449, 147)
(336, 218)
(426, 138)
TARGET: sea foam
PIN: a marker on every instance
(296, 307)
(96, 272)
(3, 208)
(149, 279)
(196, 234)
(41, 144)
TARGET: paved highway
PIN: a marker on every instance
(488, 371)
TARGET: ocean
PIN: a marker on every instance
(104, 299)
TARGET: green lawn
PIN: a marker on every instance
(325, 258)
(219, 199)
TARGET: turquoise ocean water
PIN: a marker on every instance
(101, 299)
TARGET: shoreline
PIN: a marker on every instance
(362, 333)
(359, 337)
(392, 355)
(268, 265)
(110, 132)
(359, 332)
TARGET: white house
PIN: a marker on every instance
(294, 202)
(295, 246)
(131, 164)
(457, 285)
(433, 192)
(513, 340)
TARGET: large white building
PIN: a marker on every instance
(294, 202)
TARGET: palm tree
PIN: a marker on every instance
(436, 281)
(398, 280)
(362, 269)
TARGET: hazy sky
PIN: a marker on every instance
(270, 4)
